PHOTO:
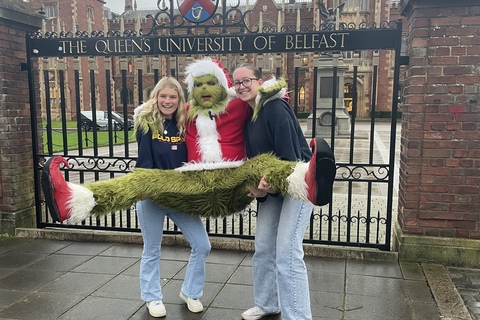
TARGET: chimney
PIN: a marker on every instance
(128, 5)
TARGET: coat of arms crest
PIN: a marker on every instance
(197, 11)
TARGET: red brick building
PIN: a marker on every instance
(72, 16)
(89, 15)
(275, 14)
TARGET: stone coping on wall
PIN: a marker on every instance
(454, 252)
(408, 6)
(223, 243)
(19, 14)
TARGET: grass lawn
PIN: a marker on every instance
(87, 137)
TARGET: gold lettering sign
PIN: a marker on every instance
(206, 44)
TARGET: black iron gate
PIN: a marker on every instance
(118, 69)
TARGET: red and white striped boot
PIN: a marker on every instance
(64, 199)
(321, 173)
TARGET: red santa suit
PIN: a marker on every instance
(218, 138)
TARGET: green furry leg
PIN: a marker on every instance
(212, 193)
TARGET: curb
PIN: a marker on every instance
(221, 243)
(450, 304)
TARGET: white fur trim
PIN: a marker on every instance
(203, 67)
(137, 110)
(81, 203)
(198, 166)
(207, 141)
(297, 187)
(279, 95)
(232, 92)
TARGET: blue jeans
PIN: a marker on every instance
(280, 281)
(151, 218)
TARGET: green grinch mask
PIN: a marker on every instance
(207, 94)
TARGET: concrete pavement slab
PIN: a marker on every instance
(101, 282)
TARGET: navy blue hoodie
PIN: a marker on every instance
(164, 151)
(277, 131)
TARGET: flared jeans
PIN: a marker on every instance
(280, 279)
(151, 218)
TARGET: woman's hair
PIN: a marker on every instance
(150, 117)
(256, 72)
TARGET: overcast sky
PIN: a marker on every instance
(118, 5)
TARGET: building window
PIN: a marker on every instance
(304, 60)
(351, 54)
(352, 5)
(301, 96)
(90, 13)
(268, 62)
(237, 60)
(181, 68)
(51, 10)
(130, 65)
(148, 92)
(129, 96)
(149, 65)
(54, 96)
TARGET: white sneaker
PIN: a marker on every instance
(156, 309)
(194, 305)
(256, 313)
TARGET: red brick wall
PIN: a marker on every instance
(16, 166)
(440, 148)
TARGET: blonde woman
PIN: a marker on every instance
(160, 130)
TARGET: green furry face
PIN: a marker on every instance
(207, 92)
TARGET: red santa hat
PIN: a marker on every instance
(206, 66)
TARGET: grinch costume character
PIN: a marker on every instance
(215, 181)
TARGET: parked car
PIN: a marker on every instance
(101, 121)
(87, 122)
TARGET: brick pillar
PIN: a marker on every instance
(439, 194)
(16, 164)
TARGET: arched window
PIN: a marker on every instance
(51, 10)
(301, 95)
(129, 96)
(149, 65)
(148, 91)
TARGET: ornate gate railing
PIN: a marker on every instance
(119, 68)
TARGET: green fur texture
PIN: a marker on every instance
(210, 193)
(267, 92)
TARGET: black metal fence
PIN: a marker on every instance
(127, 65)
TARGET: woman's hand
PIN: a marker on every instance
(264, 186)
(261, 190)
(256, 193)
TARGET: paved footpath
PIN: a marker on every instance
(75, 274)
(42, 277)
